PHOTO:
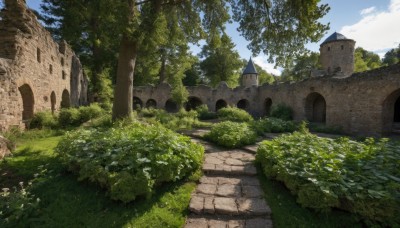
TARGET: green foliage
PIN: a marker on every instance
(301, 67)
(174, 121)
(281, 111)
(234, 114)
(69, 117)
(43, 120)
(325, 129)
(231, 134)
(90, 112)
(272, 125)
(204, 114)
(365, 60)
(129, 161)
(392, 57)
(362, 178)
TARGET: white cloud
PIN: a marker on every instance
(262, 61)
(376, 32)
(368, 10)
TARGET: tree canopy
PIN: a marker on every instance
(365, 60)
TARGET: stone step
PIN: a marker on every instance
(228, 223)
(212, 169)
(229, 187)
(236, 162)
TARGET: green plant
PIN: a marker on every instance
(90, 112)
(274, 125)
(231, 134)
(234, 114)
(129, 161)
(204, 113)
(69, 117)
(325, 129)
(362, 178)
(281, 111)
(43, 120)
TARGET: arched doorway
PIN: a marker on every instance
(28, 101)
(151, 103)
(65, 99)
(268, 105)
(53, 102)
(193, 103)
(171, 106)
(315, 108)
(396, 117)
(243, 104)
(391, 113)
(137, 103)
(220, 104)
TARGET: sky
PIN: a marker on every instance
(373, 24)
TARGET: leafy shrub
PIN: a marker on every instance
(325, 129)
(231, 134)
(129, 161)
(180, 120)
(43, 120)
(274, 125)
(204, 114)
(234, 114)
(363, 178)
(90, 112)
(282, 111)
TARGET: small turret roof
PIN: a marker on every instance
(250, 68)
(334, 37)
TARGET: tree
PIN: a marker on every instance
(263, 76)
(193, 75)
(365, 60)
(301, 67)
(392, 57)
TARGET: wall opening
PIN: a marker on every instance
(28, 101)
(151, 103)
(171, 106)
(65, 99)
(391, 113)
(38, 55)
(268, 105)
(137, 103)
(243, 104)
(53, 102)
(220, 104)
(396, 118)
(193, 103)
(315, 108)
(51, 69)
(64, 75)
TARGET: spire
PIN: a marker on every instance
(250, 68)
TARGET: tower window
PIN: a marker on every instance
(329, 48)
(64, 75)
(342, 47)
(51, 69)
(38, 53)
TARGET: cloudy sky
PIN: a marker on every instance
(373, 24)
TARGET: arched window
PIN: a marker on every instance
(316, 108)
(137, 103)
(171, 106)
(28, 101)
(193, 103)
(220, 104)
(243, 104)
(65, 99)
(151, 103)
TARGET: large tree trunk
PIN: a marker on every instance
(123, 96)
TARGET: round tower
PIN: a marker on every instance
(250, 75)
(337, 55)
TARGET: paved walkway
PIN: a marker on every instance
(229, 194)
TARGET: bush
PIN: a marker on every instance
(43, 120)
(231, 134)
(204, 114)
(363, 178)
(180, 120)
(69, 117)
(234, 114)
(90, 112)
(325, 129)
(281, 111)
(129, 161)
(273, 125)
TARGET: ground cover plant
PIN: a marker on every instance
(234, 114)
(231, 134)
(129, 161)
(282, 111)
(360, 177)
(204, 113)
(273, 125)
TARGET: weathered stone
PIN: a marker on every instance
(217, 223)
(225, 206)
(259, 223)
(231, 161)
(208, 167)
(208, 189)
(252, 191)
(253, 206)
(209, 205)
(4, 147)
(196, 204)
(196, 223)
(209, 180)
(236, 224)
(252, 181)
(246, 170)
(213, 160)
(227, 180)
(228, 190)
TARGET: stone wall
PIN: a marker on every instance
(338, 57)
(362, 104)
(36, 73)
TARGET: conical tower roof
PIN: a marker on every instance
(250, 68)
(335, 37)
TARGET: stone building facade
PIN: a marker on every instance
(365, 103)
(36, 73)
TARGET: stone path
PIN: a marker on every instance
(229, 194)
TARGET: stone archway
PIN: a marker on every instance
(65, 99)
(151, 103)
(220, 104)
(53, 101)
(268, 105)
(243, 104)
(315, 108)
(396, 117)
(28, 101)
(391, 113)
(137, 103)
(193, 103)
(171, 106)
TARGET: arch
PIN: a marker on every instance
(391, 112)
(65, 99)
(193, 103)
(151, 103)
(243, 104)
(53, 101)
(137, 103)
(220, 104)
(171, 106)
(396, 117)
(268, 105)
(315, 108)
(28, 101)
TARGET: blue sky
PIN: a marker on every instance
(373, 24)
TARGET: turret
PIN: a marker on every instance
(250, 75)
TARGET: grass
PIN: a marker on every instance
(65, 202)
(287, 213)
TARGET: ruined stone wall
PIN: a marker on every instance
(36, 73)
(361, 104)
